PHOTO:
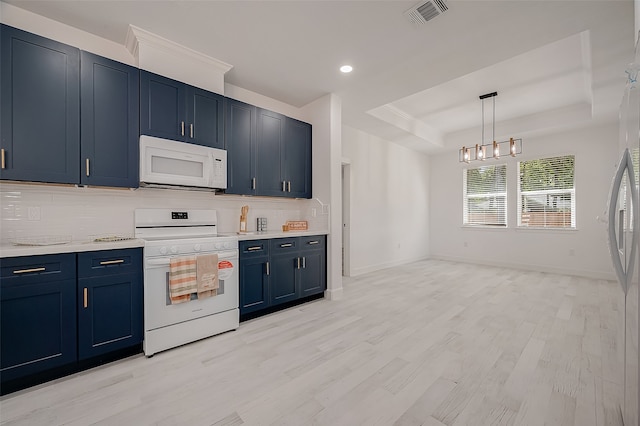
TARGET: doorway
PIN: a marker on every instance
(346, 218)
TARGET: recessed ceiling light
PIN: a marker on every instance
(346, 68)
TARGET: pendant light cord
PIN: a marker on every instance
(494, 118)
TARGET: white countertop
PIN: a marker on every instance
(276, 234)
(10, 250)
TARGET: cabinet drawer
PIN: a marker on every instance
(254, 248)
(314, 242)
(284, 245)
(109, 262)
(36, 269)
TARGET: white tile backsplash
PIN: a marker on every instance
(82, 212)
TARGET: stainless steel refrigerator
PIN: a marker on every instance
(623, 237)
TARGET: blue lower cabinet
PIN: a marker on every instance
(280, 271)
(37, 314)
(58, 310)
(110, 303)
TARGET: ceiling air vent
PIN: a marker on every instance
(426, 11)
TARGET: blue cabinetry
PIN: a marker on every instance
(110, 307)
(268, 153)
(174, 110)
(37, 314)
(60, 312)
(109, 122)
(285, 261)
(40, 112)
(240, 141)
(280, 272)
(66, 116)
(254, 275)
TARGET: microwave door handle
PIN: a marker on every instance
(613, 238)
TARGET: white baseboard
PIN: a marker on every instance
(599, 275)
(333, 293)
(378, 266)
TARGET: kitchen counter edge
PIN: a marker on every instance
(10, 250)
(274, 234)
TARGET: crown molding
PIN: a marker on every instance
(138, 39)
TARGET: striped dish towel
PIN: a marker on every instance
(182, 279)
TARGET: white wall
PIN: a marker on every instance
(389, 202)
(326, 114)
(580, 252)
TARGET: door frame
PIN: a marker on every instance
(346, 217)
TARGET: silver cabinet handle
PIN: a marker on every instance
(191, 130)
(289, 186)
(182, 128)
(304, 262)
(86, 297)
(286, 245)
(87, 166)
(284, 186)
(112, 262)
(254, 248)
(25, 271)
(253, 183)
(268, 270)
(3, 160)
(313, 242)
(298, 263)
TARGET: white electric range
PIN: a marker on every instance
(176, 233)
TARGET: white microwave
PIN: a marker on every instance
(173, 164)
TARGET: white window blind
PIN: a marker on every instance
(485, 196)
(546, 193)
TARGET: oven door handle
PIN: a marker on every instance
(164, 261)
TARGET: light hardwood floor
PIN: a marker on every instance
(430, 343)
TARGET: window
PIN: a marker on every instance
(485, 196)
(546, 193)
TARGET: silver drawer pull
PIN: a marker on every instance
(254, 248)
(268, 269)
(313, 242)
(25, 271)
(286, 245)
(112, 262)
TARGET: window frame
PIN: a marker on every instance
(488, 195)
(554, 192)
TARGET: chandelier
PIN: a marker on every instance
(494, 149)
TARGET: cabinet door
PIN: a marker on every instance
(40, 111)
(313, 272)
(109, 130)
(240, 142)
(162, 107)
(110, 303)
(269, 169)
(297, 158)
(254, 284)
(205, 118)
(37, 314)
(283, 280)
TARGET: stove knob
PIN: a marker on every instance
(174, 249)
(163, 250)
(197, 247)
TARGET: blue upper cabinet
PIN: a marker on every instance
(269, 164)
(205, 118)
(162, 106)
(40, 108)
(109, 122)
(174, 110)
(240, 140)
(297, 158)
